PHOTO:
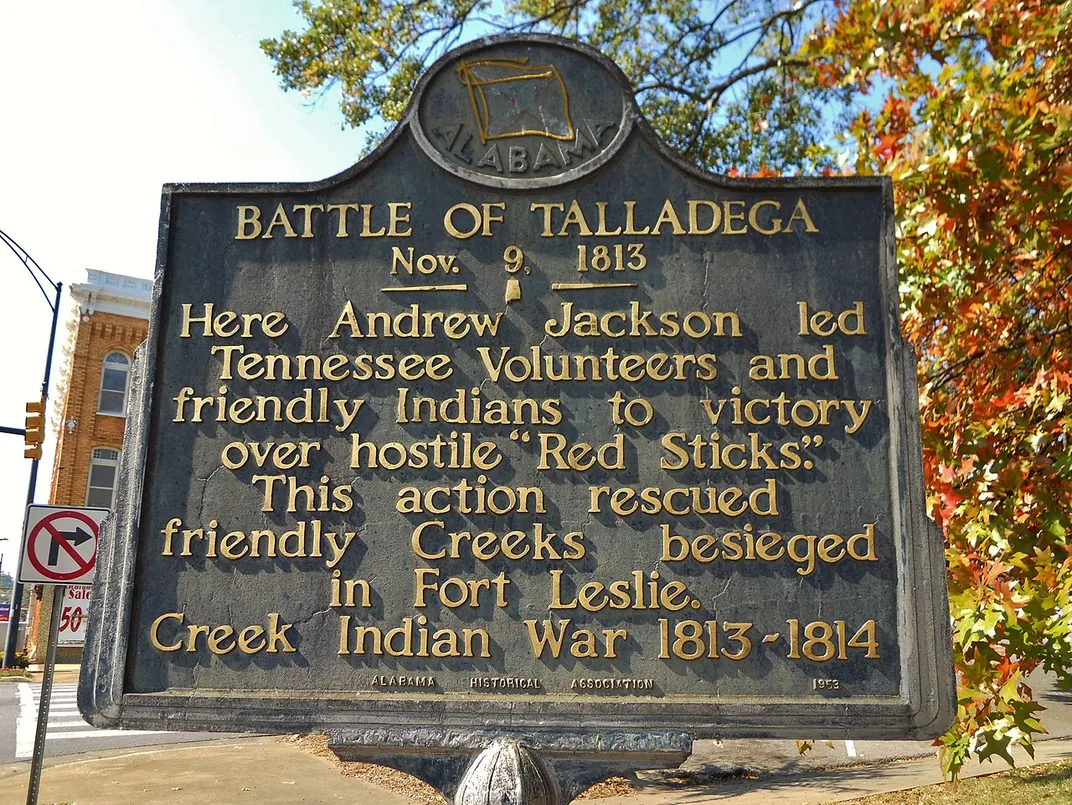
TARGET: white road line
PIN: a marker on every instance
(25, 722)
(95, 733)
(62, 705)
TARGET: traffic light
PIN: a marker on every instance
(35, 428)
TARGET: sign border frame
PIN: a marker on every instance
(24, 553)
(924, 709)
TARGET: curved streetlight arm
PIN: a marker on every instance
(38, 274)
(32, 268)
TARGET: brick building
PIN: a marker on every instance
(109, 319)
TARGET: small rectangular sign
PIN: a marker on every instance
(74, 615)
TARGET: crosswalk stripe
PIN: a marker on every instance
(64, 720)
(25, 722)
(95, 733)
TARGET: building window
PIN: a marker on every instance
(102, 472)
(113, 390)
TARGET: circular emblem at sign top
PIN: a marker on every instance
(522, 113)
(62, 546)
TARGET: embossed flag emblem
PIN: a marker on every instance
(511, 98)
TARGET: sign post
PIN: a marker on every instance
(59, 547)
(526, 448)
(43, 705)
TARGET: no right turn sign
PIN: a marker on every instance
(60, 545)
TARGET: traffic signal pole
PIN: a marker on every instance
(17, 589)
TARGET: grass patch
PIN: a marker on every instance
(1045, 784)
(14, 673)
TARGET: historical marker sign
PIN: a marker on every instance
(524, 423)
(60, 545)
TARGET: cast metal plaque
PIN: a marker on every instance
(522, 422)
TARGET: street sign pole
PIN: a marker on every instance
(59, 547)
(46, 695)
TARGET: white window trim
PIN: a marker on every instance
(105, 462)
(126, 385)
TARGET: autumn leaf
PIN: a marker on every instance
(974, 126)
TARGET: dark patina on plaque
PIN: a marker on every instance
(523, 426)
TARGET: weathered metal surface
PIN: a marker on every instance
(565, 762)
(560, 234)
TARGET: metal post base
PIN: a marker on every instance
(483, 767)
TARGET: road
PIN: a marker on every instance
(67, 733)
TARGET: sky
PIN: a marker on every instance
(100, 105)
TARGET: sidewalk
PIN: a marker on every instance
(834, 785)
(266, 771)
(275, 771)
(65, 674)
